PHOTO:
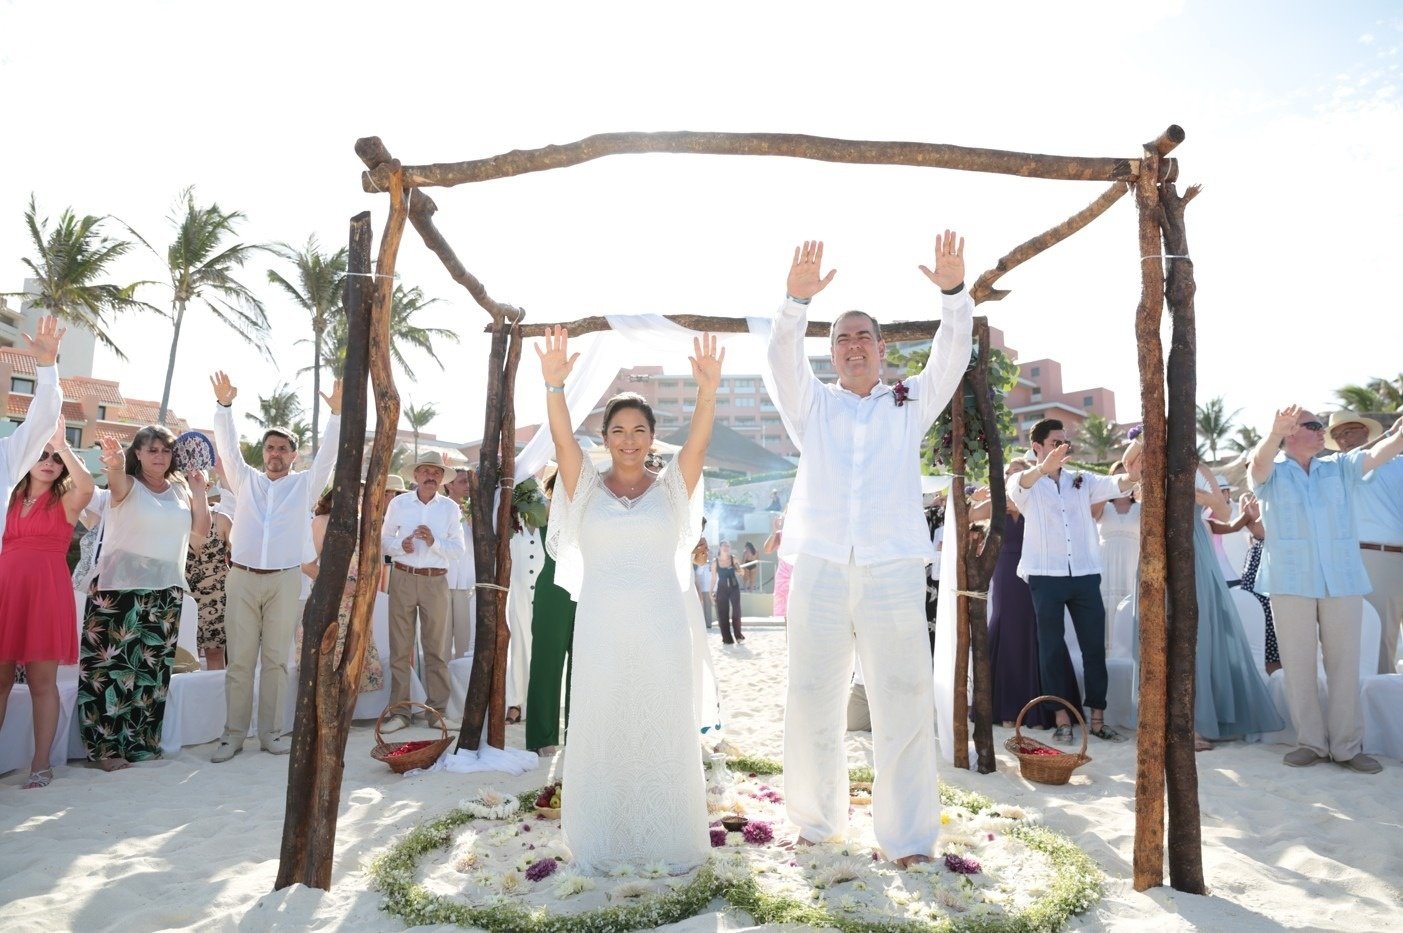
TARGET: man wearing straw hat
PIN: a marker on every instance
(423, 531)
(1378, 511)
(272, 528)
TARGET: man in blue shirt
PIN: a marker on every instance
(1311, 568)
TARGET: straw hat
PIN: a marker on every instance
(1348, 417)
(430, 458)
(395, 483)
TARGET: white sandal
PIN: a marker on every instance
(38, 779)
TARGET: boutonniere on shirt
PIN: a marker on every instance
(466, 508)
(1076, 483)
(529, 505)
(900, 393)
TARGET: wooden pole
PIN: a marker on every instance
(497, 707)
(1181, 761)
(1150, 740)
(819, 148)
(979, 566)
(322, 720)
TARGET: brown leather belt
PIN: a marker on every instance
(256, 569)
(1386, 548)
(422, 571)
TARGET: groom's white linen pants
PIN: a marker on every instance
(881, 608)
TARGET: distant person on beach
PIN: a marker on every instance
(1312, 569)
(857, 538)
(725, 590)
(268, 542)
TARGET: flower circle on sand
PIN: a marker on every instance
(497, 869)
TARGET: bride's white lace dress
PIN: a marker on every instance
(634, 791)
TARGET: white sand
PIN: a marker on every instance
(187, 844)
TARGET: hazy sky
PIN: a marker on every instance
(1292, 110)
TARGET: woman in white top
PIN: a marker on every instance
(133, 614)
(1118, 524)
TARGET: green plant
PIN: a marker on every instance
(1003, 376)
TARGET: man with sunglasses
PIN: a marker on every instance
(1061, 563)
(1312, 570)
(21, 450)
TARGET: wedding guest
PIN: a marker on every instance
(1014, 664)
(1118, 527)
(1062, 564)
(423, 530)
(268, 544)
(205, 573)
(529, 512)
(1312, 569)
(725, 590)
(783, 569)
(21, 449)
(1250, 517)
(749, 567)
(462, 571)
(1378, 509)
(132, 618)
(552, 632)
(855, 535)
(92, 518)
(38, 620)
(701, 574)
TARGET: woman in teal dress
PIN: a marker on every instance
(552, 629)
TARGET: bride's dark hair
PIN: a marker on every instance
(629, 400)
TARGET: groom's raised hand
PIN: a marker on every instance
(805, 273)
(949, 271)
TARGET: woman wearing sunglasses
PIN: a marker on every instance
(38, 621)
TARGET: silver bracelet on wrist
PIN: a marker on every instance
(551, 388)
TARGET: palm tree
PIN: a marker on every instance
(68, 261)
(1379, 395)
(1099, 438)
(419, 419)
(403, 331)
(318, 292)
(202, 269)
(1214, 424)
(281, 409)
(1247, 438)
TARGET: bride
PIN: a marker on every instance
(622, 541)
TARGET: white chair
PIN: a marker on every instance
(1122, 629)
(1381, 703)
(195, 708)
(1120, 678)
(1254, 624)
(1235, 548)
(17, 734)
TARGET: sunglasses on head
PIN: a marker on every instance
(1313, 425)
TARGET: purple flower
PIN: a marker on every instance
(526, 827)
(900, 393)
(1076, 483)
(718, 837)
(961, 865)
(1134, 432)
(758, 832)
(542, 869)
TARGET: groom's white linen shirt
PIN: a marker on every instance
(858, 491)
(272, 518)
(20, 451)
(1059, 534)
(441, 515)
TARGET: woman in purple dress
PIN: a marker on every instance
(1013, 631)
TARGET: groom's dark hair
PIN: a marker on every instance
(628, 400)
(1043, 428)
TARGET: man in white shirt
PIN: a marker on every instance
(462, 573)
(858, 541)
(272, 524)
(1061, 564)
(423, 531)
(20, 451)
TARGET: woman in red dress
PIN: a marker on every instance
(38, 619)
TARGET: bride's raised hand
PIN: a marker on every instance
(706, 363)
(556, 359)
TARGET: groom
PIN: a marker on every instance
(857, 538)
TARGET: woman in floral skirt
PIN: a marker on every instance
(133, 616)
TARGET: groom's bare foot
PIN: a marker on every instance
(798, 842)
(906, 861)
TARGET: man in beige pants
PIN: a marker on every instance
(423, 531)
(271, 532)
(462, 572)
(1311, 568)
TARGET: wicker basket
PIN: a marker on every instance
(420, 757)
(861, 800)
(1044, 768)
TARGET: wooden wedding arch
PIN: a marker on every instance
(1168, 618)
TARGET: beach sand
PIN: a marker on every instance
(186, 844)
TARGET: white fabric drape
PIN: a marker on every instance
(945, 645)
